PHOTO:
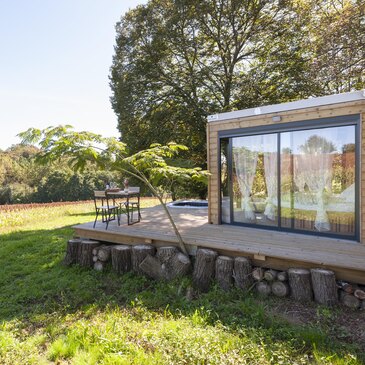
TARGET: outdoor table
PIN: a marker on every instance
(126, 206)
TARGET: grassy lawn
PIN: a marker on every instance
(70, 315)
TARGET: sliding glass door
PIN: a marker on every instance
(300, 180)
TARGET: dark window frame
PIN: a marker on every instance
(339, 121)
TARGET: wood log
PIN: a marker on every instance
(280, 288)
(95, 258)
(104, 253)
(121, 258)
(362, 305)
(258, 273)
(349, 300)
(360, 294)
(263, 288)
(346, 287)
(139, 253)
(224, 272)
(300, 285)
(99, 265)
(86, 252)
(204, 268)
(151, 266)
(72, 252)
(242, 273)
(324, 286)
(282, 276)
(270, 275)
(178, 265)
(164, 254)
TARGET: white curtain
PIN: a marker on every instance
(269, 146)
(314, 166)
(245, 154)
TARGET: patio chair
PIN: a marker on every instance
(132, 205)
(106, 207)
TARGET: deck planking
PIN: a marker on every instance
(274, 249)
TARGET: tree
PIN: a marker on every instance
(177, 61)
(149, 165)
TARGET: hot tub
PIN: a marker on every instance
(189, 204)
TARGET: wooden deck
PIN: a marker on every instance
(272, 249)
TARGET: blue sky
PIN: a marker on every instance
(54, 64)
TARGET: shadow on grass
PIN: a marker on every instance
(35, 283)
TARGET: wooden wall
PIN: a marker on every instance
(348, 108)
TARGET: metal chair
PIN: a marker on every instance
(105, 207)
(131, 205)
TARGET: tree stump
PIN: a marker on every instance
(178, 265)
(263, 288)
(121, 258)
(324, 286)
(349, 300)
(270, 275)
(99, 265)
(258, 273)
(72, 252)
(86, 252)
(164, 254)
(204, 268)
(300, 285)
(139, 253)
(224, 272)
(152, 267)
(280, 288)
(282, 276)
(242, 273)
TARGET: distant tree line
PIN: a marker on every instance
(22, 180)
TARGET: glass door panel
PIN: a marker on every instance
(318, 180)
(255, 179)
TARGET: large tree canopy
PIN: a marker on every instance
(176, 61)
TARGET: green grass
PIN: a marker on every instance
(70, 315)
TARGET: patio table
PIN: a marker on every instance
(126, 205)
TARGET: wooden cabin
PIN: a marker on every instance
(292, 168)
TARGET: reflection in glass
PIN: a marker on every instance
(255, 179)
(225, 199)
(318, 180)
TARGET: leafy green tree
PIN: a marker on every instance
(178, 61)
(148, 166)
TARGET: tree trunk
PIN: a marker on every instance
(121, 258)
(164, 254)
(242, 273)
(300, 285)
(86, 252)
(72, 252)
(263, 288)
(280, 288)
(258, 273)
(177, 266)
(324, 286)
(204, 268)
(282, 276)
(152, 267)
(349, 300)
(139, 253)
(99, 265)
(224, 272)
(270, 275)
